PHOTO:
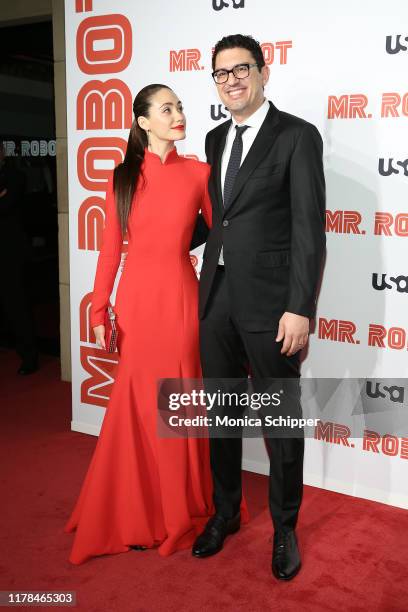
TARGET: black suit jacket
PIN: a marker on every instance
(273, 230)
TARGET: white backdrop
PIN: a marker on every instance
(344, 69)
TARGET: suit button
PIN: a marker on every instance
(225, 223)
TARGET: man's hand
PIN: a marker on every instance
(294, 331)
(3, 193)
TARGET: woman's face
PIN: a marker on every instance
(166, 120)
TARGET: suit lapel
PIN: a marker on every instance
(216, 162)
(262, 143)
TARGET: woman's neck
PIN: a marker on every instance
(161, 148)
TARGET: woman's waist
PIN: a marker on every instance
(153, 257)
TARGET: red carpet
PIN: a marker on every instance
(354, 551)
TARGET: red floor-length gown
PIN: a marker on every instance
(141, 489)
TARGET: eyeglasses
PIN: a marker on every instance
(240, 71)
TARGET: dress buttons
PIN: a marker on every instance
(225, 223)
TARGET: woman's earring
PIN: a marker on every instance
(148, 138)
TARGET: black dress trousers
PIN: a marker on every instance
(228, 351)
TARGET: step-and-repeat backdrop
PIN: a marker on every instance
(342, 68)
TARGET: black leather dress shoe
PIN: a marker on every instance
(212, 539)
(285, 559)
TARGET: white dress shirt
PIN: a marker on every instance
(254, 123)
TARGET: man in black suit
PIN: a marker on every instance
(261, 267)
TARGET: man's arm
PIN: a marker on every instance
(201, 232)
(307, 193)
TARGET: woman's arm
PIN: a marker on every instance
(108, 260)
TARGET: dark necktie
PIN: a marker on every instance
(234, 163)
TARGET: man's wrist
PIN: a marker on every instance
(297, 314)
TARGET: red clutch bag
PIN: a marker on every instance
(111, 331)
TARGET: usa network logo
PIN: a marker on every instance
(389, 166)
(380, 282)
(385, 389)
(218, 5)
(217, 112)
(393, 44)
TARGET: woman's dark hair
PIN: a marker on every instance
(127, 174)
(241, 41)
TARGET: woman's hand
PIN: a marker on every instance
(99, 332)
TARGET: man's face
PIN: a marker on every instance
(242, 97)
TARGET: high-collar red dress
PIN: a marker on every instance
(141, 489)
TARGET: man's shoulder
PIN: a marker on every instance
(295, 124)
(218, 130)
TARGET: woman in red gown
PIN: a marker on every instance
(140, 489)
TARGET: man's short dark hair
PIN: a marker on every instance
(243, 42)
